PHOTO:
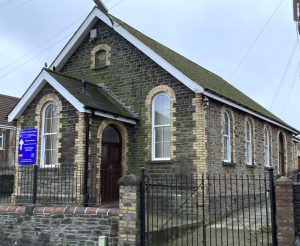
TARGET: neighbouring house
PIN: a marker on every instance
(116, 100)
(7, 132)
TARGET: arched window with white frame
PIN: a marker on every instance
(49, 135)
(249, 143)
(161, 127)
(267, 147)
(227, 138)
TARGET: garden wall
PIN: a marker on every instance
(35, 226)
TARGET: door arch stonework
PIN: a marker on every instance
(120, 127)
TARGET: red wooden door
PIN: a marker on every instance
(111, 168)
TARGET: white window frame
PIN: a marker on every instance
(227, 137)
(249, 144)
(155, 126)
(267, 161)
(1, 140)
(42, 164)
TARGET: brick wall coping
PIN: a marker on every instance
(68, 210)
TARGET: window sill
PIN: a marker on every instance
(100, 67)
(250, 166)
(160, 162)
(228, 164)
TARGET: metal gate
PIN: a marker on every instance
(210, 209)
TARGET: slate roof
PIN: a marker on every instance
(7, 103)
(93, 96)
(208, 80)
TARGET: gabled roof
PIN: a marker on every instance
(92, 96)
(6, 105)
(84, 99)
(208, 80)
(195, 77)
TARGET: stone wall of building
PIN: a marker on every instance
(130, 76)
(67, 132)
(133, 78)
(215, 144)
(7, 154)
(47, 226)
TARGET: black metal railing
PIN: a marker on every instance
(48, 186)
(6, 184)
(208, 209)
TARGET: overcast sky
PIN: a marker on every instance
(214, 34)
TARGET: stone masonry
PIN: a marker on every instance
(47, 226)
(131, 77)
(129, 211)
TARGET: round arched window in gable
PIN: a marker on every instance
(100, 58)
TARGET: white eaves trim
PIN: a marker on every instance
(296, 139)
(111, 116)
(84, 29)
(234, 105)
(35, 88)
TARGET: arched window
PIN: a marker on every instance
(161, 127)
(267, 147)
(249, 143)
(100, 58)
(49, 136)
(227, 138)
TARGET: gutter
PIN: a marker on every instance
(8, 127)
(251, 112)
(110, 115)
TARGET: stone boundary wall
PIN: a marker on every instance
(35, 226)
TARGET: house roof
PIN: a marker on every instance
(6, 105)
(84, 99)
(195, 77)
(208, 80)
(93, 96)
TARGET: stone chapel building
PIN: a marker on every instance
(115, 100)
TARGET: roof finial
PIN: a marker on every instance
(102, 7)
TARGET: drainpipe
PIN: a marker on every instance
(86, 159)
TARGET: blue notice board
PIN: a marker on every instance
(27, 146)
